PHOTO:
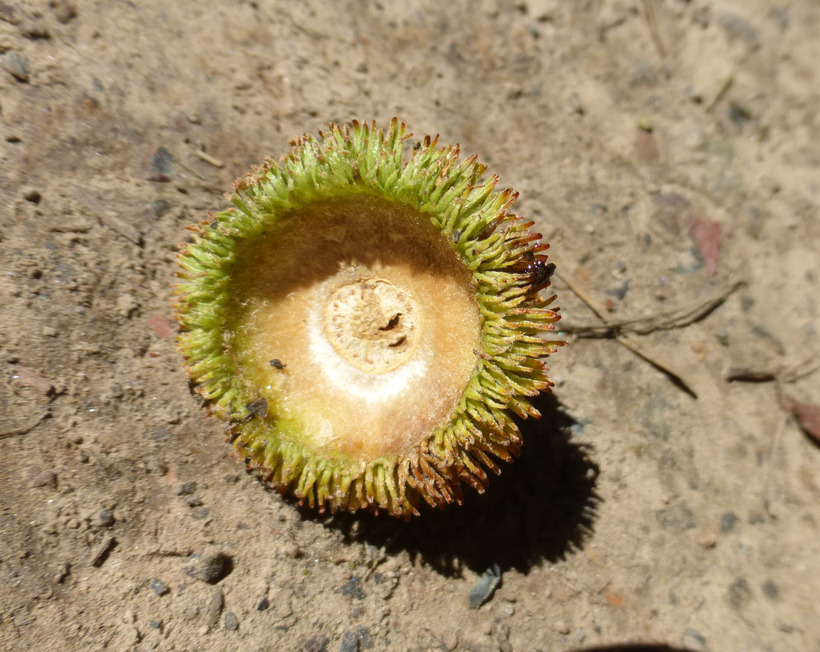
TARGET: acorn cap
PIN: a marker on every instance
(368, 327)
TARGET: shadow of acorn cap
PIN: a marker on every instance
(368, 325)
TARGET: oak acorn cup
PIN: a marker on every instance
(367, 319)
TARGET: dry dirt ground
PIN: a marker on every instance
(665, 148)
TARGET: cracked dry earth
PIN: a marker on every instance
(666, 149)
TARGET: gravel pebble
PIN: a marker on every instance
(186, 489)
(32, 195)
(207, 566)
(162, 162)
(484, 587)
(214, 607)
(316, 644)
(42, 478)
(231, 621)
(353, 589)
(694, 640)
(17, 66)
(105, 518)
(728, 521)
(350, 642)
(200, 513)
(263, 604)
(677, 517)
(63, 10)
(354, 640)
(770, 590)
(159, 587)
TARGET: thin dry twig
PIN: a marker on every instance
(802, 369)
(727, 83)
(771, 482)
(168, 552)
(188, 168)
(677, 318)
(576, 289)
(785, 375)
(628, 341)
(652, 22)
(22, 430)
(781, 373)
(747, 375)
(209, 159)
(655, 359)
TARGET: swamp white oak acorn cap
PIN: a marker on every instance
(368, 325)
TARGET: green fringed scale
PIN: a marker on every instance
(348, 163)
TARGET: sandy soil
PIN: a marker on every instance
(665, 149)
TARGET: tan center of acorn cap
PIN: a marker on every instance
(372, 320)
(371, 323)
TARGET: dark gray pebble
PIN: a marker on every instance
(316, 644)
(350, 642)
(770, 590)
(620, 291)
(186, 489)
(162, 162)
(263, 604)
(193, 501)
(207, 566)
(159, 587)
(354, 640)
(231, 621)
(106, 518)
(365, 639)
(728, 521)
(484, 587)
(353, 589)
